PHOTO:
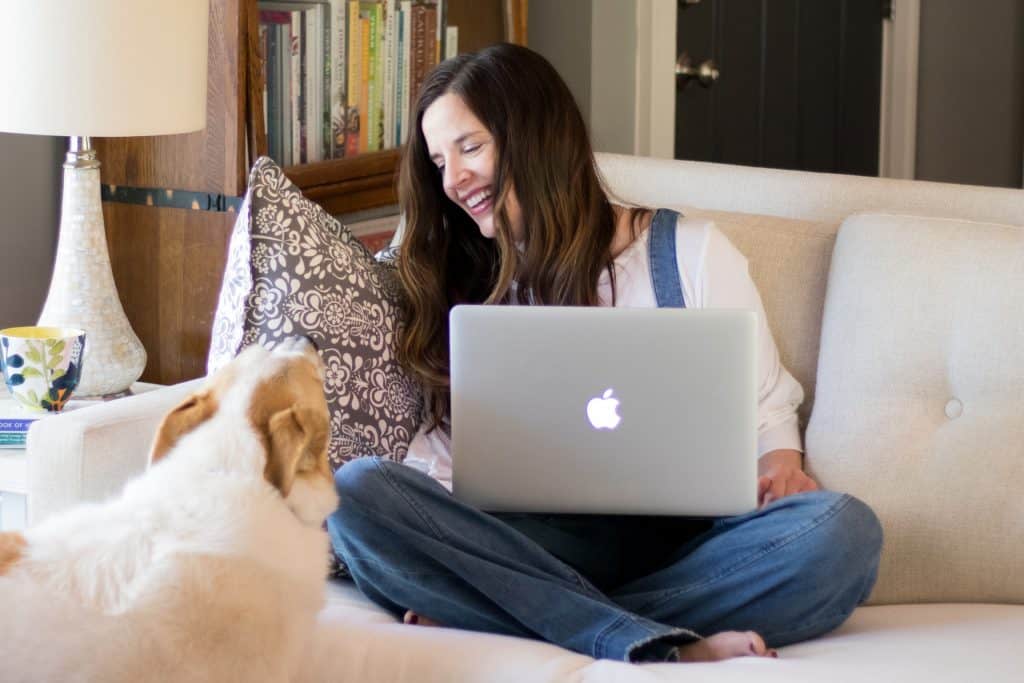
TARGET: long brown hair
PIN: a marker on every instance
(543, 151)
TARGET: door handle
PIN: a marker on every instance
(705, 73)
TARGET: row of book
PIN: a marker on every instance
(13, 431)
(342, 75)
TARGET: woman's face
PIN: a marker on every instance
(464, 151)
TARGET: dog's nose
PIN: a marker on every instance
(311, 341)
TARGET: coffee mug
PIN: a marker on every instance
(41, 365)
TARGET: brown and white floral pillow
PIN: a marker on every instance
(293, 269)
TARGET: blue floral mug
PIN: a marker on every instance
(41, 365)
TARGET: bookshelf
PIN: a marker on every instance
(168, 261)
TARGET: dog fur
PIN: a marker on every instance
(210, 566)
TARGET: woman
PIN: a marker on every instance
(503, 205)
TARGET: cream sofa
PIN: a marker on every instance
(907, 332)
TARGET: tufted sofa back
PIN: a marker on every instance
(920, 401)
(907, 333)
(785, 223)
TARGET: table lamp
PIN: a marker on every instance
(98, 68)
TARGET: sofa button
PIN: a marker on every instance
(954, 408)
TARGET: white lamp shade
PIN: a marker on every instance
(104, 68)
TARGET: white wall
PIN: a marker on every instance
(561, 32)
(617, 58)
(613, 76)
(30, 176)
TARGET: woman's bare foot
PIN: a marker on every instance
(418, 620)
(725, 645)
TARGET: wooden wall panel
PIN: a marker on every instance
(480, 22)
(167, 265)
(366, 181)
(211, 160)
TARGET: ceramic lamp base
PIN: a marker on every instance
(82, 292)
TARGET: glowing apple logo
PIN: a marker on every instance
(603, 412)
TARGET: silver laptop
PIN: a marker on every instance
(604, 410)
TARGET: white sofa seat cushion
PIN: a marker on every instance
(919, 408)
(358, 641)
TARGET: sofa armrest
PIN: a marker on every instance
(89, 454)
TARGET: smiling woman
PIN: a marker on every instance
(464, 151)
(503, 205)
(470, 183)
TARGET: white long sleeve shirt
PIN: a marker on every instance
(714, 274)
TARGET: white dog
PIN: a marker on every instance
(210, 566)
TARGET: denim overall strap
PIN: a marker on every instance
(668, 288)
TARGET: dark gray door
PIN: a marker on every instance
(785, 83)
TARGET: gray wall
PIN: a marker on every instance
(561, 32)
(30, 176)
(613, 81)
(970, 108)
(592, 43)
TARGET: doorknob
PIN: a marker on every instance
(705, 73)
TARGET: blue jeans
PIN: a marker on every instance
(626, 588)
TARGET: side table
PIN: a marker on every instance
(14, 461)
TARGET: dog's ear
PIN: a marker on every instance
(185, 417)
(296, 435)
(12, 547)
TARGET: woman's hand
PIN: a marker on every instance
(780, 474)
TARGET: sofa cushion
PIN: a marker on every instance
(293, 269)
(920, 408)
(948, 643)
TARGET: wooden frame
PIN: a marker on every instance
(515, 15)
(897, 138)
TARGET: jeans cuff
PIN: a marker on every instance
(663, 647)
(632, 638)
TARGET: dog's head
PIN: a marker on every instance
(280, 395)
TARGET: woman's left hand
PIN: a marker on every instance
(780, 474)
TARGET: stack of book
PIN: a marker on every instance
(342, 75)
(13, 431)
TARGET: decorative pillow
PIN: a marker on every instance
(293, 269)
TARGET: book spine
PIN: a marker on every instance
(265, 54)
(373, 53)
(379, 61)
(418, 57)
(274, 22)
(402, 95)
(390, 71)
(324, 92)
(353, 115)
(376, 94)
(339, 76)
(15, 425)
(433, 56)
(366, 124)
(313, 83)
(284, 90)
(451, 41)
(440, 19)
(272, 87)
(293, 154)
(292, 92)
